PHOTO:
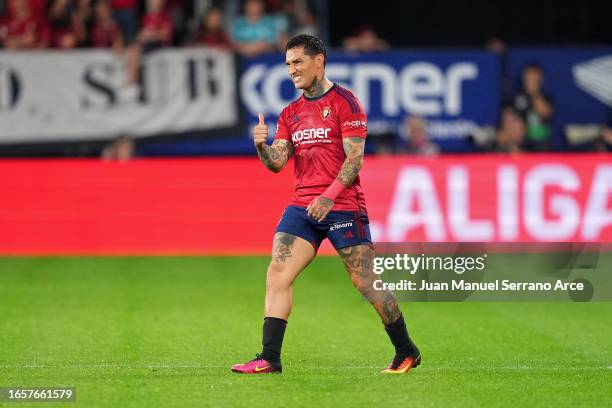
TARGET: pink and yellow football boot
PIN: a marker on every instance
(257, 366)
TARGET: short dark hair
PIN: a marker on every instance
(312, 45)
(533, 66)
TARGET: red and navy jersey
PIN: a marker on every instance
(316, 127)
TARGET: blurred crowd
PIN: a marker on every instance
(249, 27)
(133, 28)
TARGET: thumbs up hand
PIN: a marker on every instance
(260, 132)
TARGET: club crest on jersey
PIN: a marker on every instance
(325, 112)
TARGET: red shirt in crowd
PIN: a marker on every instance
(104, 35)
(159, 22)
(38, 7)
(124, 4)
(12, 29)
(213, 39)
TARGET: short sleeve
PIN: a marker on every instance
(352, 117)
(282, 131)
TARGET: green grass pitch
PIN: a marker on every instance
(163, 332)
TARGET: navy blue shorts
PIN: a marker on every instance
(343, 228)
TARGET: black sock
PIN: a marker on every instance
(273, 333)
(401, 340)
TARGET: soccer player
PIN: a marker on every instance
(325, 129)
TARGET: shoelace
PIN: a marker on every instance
(257, 357)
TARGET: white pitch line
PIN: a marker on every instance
(209, 366)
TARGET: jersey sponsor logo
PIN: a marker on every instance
(423, 87)
(310, 134)
(355, 124)
(342, 224)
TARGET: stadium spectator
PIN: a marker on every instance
(211, 32)
(496, 45)
(105, 32)
(155, 33)
(21, 29)
(178, 11)
(67, 22)
(293, 19)
(125, 13)
(510, 137)
(414, 134)
(535, 108)
(122, 149)
(365, 39)
(155, 28)
(39, 8)
(254, 32)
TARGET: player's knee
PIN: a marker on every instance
(277, 269)
(278, 276)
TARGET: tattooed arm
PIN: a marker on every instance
(275, 157)
(354, 149)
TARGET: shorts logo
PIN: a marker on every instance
(325, 112)
(341, 224)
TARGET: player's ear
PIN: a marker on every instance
(320, 59)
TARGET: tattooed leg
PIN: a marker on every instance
(290, 255)
(282, 246)
(358, 261)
